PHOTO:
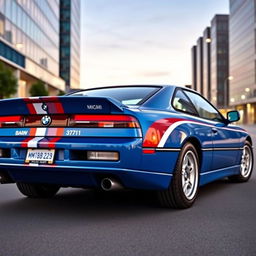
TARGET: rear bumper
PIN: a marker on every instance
(134, 169)
(85, 176)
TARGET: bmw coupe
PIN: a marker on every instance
(163, 138)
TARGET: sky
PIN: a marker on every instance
(142, 41)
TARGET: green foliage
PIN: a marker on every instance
(61, 93)
(8, 82)
(38, 89)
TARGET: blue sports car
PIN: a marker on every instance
(163, 138)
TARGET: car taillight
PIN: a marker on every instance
(11, 121)
(152, 138)
(104, 121)
(155, 133)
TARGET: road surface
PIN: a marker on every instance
(79, 222)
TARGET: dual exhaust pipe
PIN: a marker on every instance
(110, 184)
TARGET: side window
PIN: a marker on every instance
(203, 107)
(182, 103)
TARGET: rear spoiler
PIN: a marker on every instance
(60, 105)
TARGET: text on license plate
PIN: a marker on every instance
(40, 155)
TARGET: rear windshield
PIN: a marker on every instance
(127, 95)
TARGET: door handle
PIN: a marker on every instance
(214, 130)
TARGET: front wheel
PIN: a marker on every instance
(183, 189)
(37, 190)
(246, 165)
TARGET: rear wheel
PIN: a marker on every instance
(183, 189)
(37, 190)
(246, 165)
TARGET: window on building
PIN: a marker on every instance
(12, 55)
(65, 3)
(65, 26)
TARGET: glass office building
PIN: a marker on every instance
(199, 65)
(207, 63)
(210, 62)
(70, 43)
(30, 42)
(243, 58)
(219, 60)
(194, 67)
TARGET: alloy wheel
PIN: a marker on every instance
(189, 175)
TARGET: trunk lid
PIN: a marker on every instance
(60, 105)
(67, 116)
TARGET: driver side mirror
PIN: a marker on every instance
(233, 116)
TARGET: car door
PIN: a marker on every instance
(225, 140)
(203, 132)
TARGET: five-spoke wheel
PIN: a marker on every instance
(184, 186)
(246, 165)
(189, 174)
(246, 161)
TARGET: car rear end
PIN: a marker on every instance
(73, 141)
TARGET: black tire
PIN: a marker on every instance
(174, 196)
(37, 190)
(244, 177)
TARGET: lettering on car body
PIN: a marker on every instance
(40, 155)
(94, 107)
(73, 133)
(21, 133)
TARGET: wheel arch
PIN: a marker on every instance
(196, 143)
(249, 139)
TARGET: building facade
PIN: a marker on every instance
(210, 62)
(219, 60)
(29, 42)
(70, 43)
(207, 63)
(199, 64)
(194, 66)
(243, 58)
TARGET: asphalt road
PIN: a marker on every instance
(79, 222)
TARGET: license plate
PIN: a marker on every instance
(40, 156)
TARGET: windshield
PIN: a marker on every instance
(127, 95)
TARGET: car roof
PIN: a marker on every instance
(132, 85)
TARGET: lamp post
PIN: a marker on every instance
(226, 85)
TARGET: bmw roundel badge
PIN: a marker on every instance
(44, 107)
(46, 120)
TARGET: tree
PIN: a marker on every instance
(61, 93)
(8, 82)
(38, 89)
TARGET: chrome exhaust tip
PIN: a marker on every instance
(109, 184)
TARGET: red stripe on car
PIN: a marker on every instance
(32, 133)
(156, 131)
